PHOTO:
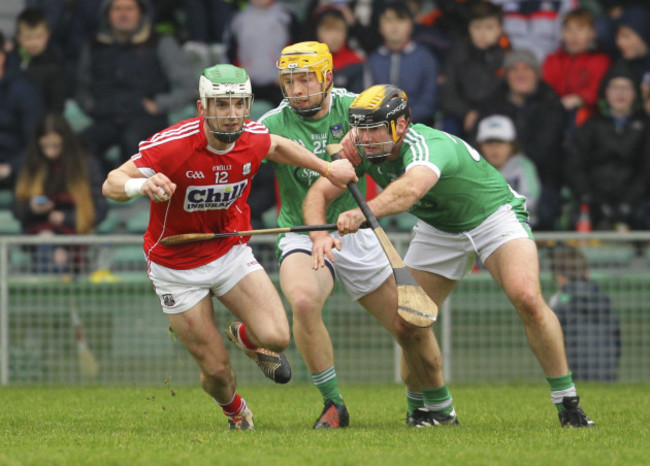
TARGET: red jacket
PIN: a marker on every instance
(576, 74)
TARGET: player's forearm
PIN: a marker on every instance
(398, 197)
(113, 187)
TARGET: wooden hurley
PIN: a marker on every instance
(413, 304)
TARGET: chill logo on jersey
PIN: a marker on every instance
(213, 197)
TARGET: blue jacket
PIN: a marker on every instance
(415, 71)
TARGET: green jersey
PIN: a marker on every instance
(314, 134)
(468, 190)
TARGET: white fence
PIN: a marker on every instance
(107, 297)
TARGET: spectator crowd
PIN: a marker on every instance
(554, 93)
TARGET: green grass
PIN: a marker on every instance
(157, 425)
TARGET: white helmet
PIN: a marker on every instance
(230, 82)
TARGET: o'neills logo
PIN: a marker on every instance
(213, 197)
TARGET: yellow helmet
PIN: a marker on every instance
(304, 57)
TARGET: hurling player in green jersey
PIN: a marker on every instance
(465, 208)
(315, 114)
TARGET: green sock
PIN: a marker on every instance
(328, 385)
(560, 387)
(414, 400)
(438, 400)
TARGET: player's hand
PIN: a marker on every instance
(341, 173)
(159, 188)
(350, 221)
(322, 246)
(349, 151)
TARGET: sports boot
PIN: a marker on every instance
(574, 416)
(333, 416)
(274, 365)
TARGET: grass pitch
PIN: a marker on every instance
(158, 425)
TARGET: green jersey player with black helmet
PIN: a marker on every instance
(315, 114)
(465, 208)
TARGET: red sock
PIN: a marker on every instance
(241, 333)
(235, 407)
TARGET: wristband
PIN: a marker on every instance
(329, 169)
(133, 186)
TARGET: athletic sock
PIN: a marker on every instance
(241, 335)
(438, 400)
(561, 387)
(328, 385)
(414, 400)
(234, 407)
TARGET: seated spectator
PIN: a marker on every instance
(539, 119)
(58, 192)
(40, 61)
(608, 158)
(633, 43)
(21, 107)
(361, 16)
(207, 21)
(592, 332)
(129, 79)
(332, 30)
(474, 69)
(72, 25)
(574, 71)
(497, 139)
(254, 41)
(405, 63)
(534, 25)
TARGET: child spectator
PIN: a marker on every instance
(608, 158)
(575, 70)
(254, 41)
(41, 62)
(21, 107)
(405, 63)
(474, 69)
(633, 43)
(497, 139)
(592, 332)
(58, 191)
(332, 30)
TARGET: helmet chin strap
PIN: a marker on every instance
(223, 136)
(311, 111)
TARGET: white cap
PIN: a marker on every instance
(496, 128)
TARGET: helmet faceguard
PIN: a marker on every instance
(226, 97)
(377, 107)
(305, 57)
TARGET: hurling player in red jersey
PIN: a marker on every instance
(197, 174)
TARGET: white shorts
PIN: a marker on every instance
(361, 264)
(179, 290)
(452, 255)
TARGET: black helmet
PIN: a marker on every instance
(379, 105)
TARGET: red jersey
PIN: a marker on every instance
(576, 74)
(211, 190)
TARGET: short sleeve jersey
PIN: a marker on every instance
(315, 135)
(211, 193)
(469, 188)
